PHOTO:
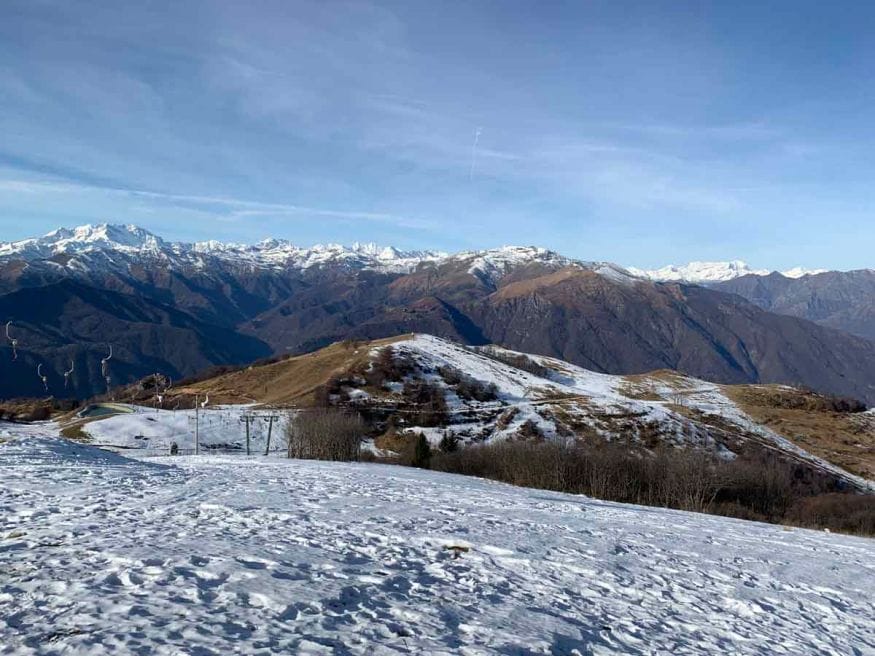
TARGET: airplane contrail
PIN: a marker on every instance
(474, 152)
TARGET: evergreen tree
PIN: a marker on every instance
(421, 452)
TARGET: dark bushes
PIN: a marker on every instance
(27, 410)
(332, 392)
(428, 405)
(325, 434)
(449, 443)
(517, 360)
(764, 486)
(467, 387)
(418, 453)
(810, 401)
(389, 365)
(848, 513)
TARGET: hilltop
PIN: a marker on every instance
(421, 383)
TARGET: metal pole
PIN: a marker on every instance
(269, 430)
(197, 426)
(247, 435)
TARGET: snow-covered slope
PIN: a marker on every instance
(709, 272)
(210, 555)
(565, 398)
(149, 431)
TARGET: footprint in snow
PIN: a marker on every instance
(253, 562)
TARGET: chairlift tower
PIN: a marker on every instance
(250, 417)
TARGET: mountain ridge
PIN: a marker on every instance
(291, 300)
(716, 272)
(272, 252)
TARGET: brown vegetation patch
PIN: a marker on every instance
(550, 280)
(846, 439)
(291, 381)
(35, 409)
(76, 433)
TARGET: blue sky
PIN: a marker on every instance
(637, 132)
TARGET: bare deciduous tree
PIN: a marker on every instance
(325, 434)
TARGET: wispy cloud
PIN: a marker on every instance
(229, 207)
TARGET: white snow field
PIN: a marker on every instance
(100, 554)
(153, 431)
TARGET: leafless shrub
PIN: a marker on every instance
(530, 430)
(333, 392)
(325, 434)
(763, 485)
(389, 365)
(848, 513)
(428, 405)
(466, 386)
(505, 419)
(517, 360)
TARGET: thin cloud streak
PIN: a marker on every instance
(238, 208)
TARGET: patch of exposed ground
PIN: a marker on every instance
(291, 381)
(846, 439)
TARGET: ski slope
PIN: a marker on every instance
(214, 555)
(219, 428)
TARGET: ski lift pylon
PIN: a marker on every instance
(12, 341)
(69, 373)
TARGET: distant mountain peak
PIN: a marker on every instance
(800, 272)
(127, 240)
(712, 272)
(103, 235)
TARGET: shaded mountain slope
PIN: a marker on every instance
(68, 321)
(838, 299)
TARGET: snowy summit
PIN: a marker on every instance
(709, 272)
(116, 241)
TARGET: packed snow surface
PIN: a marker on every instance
(215, 555)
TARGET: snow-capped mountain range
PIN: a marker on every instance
(183, 307)
(711, 272)
(106, 240)
(86, 245)
(89, 246)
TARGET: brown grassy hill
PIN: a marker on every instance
(812, 422)
(288, 382)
